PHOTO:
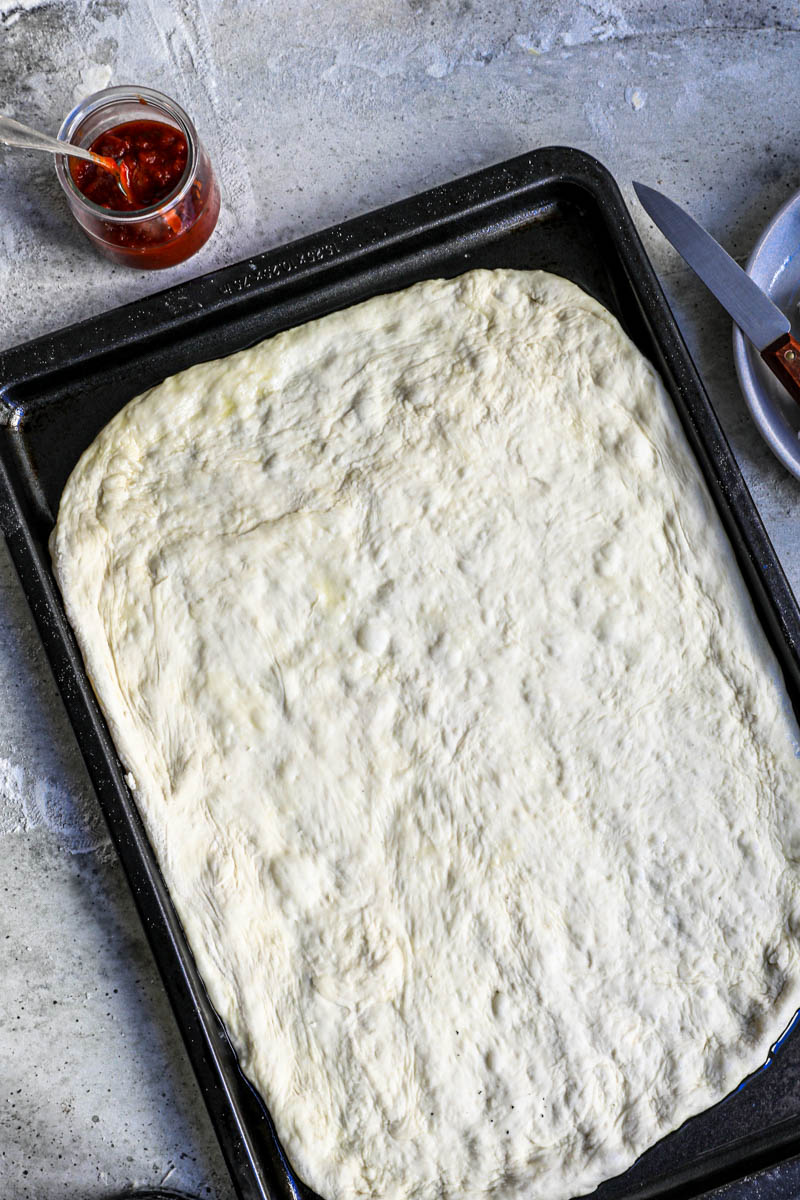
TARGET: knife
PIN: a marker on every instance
(752, 310)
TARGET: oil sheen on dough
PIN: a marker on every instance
(465, 760)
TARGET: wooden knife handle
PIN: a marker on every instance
(783, 358)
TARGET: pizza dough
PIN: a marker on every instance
(464, 757)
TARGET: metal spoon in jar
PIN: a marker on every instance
(13, 133)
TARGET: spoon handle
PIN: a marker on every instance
(12, 133)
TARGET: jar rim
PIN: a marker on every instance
(152, 99)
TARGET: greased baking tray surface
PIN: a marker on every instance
(555, 209)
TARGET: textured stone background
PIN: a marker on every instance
(313, 112)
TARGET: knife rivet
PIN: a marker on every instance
(790, 356)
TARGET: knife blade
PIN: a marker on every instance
(751, 309)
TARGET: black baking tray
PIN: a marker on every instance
(554, 208)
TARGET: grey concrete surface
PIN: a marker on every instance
(312, 112)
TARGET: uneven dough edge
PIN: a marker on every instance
(83, 558)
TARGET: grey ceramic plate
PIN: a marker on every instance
(775, 267)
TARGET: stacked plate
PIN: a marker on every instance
(775, 266)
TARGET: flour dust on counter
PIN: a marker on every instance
(465, 759)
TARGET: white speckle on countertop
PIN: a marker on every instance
(12, 10)
(440, 65)
(635, 97)
(30, 802)
(94, 77)
(599, 21)
(12, 798)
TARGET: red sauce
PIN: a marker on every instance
(152, 157)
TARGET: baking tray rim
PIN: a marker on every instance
(242, 1134)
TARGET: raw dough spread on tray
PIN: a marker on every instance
(466, 762)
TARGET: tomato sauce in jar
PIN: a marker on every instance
(164, 204)
(151, 156)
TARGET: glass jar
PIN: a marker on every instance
(166, 233)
